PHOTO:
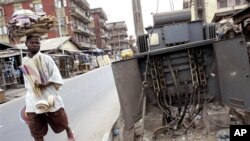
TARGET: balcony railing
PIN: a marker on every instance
(12, 1)
(117, 41)
(123, 34)
(83, 3)
(104, 25)
(84, 45)
(81, 30)
(80, 15)
(105, 36)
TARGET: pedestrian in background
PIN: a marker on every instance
(44, 105)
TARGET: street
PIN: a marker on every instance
(91, 103)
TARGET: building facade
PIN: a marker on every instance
(197, 12)
(73, 18)
(132, 43)
(118, 33)
(100, 28)
(211, 7)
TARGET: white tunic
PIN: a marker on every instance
(50, 74)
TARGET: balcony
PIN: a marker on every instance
(93, 46)
(84, 45)
(81, 30)
(117, 26)
(124, 41)
(83, 3)
(104, 25)
(115, 41)
(105, 36)
(12, 1)
(91, 33)
(80, 15)
(100, 12)
(121, 34)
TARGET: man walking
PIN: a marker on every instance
(44, 105)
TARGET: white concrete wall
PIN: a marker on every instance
(210, 9)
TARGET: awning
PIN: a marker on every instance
(241, 15)
(218, 16)
(4, 46)
(48, 44)
(6, 54)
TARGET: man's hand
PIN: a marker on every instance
(42, 85)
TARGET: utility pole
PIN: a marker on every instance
(60, 33)
(137, 13)
(58, 10)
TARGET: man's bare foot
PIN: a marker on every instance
(70, 134)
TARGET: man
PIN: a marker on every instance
(42, 80)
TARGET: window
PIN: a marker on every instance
(237, 2)
(222, 3)
(246, 1)
(38, 7)
(1, 12)
(62, 21)
(63, 25)
(17, 7)
(185, 5)
(3, 30)
(60, 3)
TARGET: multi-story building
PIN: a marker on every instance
(118, 33)
(131, 43)
(212, 8)
(100, 28)
(226, 8)
(73, 18)
(198, 12)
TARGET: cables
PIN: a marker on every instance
(144, 83)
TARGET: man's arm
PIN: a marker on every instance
(54, 77)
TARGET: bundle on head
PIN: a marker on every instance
(26, 22)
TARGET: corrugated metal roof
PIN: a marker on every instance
(5, 54)
(219, 15)
(48, 44)
(69, 46)
(4, 46)
(241, 15)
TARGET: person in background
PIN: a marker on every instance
(38, 118)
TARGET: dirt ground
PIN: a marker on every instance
(13, 93)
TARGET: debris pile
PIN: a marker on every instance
(227, 28)
(26, 22)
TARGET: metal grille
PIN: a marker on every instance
(142, 43)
